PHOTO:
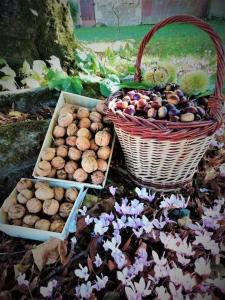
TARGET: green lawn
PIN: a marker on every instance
(175, 39)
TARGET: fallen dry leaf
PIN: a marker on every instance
(210, 174)
(20, 268)
(48, 253)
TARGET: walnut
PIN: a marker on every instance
(41, 184)
(58, 162)
(30, 219)
(43, 168)
(65, 209)
(16, 222)
(71, 166)
(102, 165)
(83, 112)
(61, 174)
(71, 194)
(89, 153)
(65, 119)
(102, 138)
(82, 143)
(101, 108)
(95, 116)
(84, 123)
(48, 154)
(52, 174)
(21, 199)
(93, 145)
(71, 140)
(59, 142)
(34, 205)
(80, 175)
(44, 193)
(57, 226)
(104, 152)
(72, 129)
(97, 177)
(89, 164)
(9, 202)
(24, 184)
(74, 153)
(62, 151)
(59, 132)
(16, 211)
(68, 108)
(50, 207)
(96, 126)
(27, 193)
(42, 224)
(84, 132)
(59, 193)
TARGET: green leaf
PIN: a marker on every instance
(108, 87)
(113, 78)
(88, 78)
(72, 85)
(3, 61)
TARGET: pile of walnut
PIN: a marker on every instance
(37, 205)
(81, 146)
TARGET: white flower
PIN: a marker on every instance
(160, 262)
(83, 210)
(47, 291)
(124, 276)
(86, 290)
(202, 267)
(162, 293)
(174, 202)
(112, 190)
(222, 170)
(73, 240)
(98, 261)
(82, 272)
(176, 244)
(182, 260)
(99, 227)
(138, 232)
(148, 226)
(21, 279)
(138, 290)
(218, 282)
(143, 194)
(100, 283)
(176, 292)
(178, 278)
(88, 220)
(207, 242)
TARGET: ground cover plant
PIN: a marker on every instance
(131, 243)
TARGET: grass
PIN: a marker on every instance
(174, 39)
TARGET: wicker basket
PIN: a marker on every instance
(160, 154)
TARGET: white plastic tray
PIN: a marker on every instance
(78, 101)
(42, 235)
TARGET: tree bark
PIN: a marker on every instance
(35, 29)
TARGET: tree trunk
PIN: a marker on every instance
(35, 29)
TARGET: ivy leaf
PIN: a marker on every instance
(55, 79)
(26, 70)
(108, 87)
(89, 78)
(113, 78)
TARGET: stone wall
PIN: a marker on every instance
(128, 12)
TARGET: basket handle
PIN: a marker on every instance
(202, 25)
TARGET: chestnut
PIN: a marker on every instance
(162, 112)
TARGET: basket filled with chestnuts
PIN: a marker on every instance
(79, 143)
(163, 132)
(39, 210)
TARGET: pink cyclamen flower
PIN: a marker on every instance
(112, 190)
(82, 272)
(98, 261)
(100, 283)
(46, 292)
(143, 194)
(21, 279)
(202, 267)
